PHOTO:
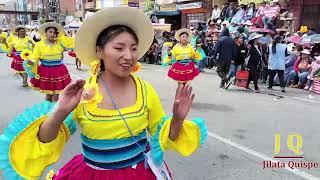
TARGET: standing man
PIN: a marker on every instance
(225, 51)
(240, 55)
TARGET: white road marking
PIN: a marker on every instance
(307, 100)
(262, 156)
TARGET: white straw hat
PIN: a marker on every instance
(20, 27)
(44, 26)
(180, 31)
(86, 37)
(254, 36)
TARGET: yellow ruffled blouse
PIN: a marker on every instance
(180, 53)
(20, 44)
(103, 124)
(48, 52)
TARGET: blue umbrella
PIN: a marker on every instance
(315, 38)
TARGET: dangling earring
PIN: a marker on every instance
(136, 67)
(95, 68)
(91, 89)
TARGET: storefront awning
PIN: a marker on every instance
(166, 13)
(164, 1)
(249, 1)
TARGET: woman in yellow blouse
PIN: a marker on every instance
(16, 46)
(51, 75)
(3, 37)
(114, 108)
(9, 40)
(184, 55)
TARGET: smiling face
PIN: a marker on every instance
(21, 33)
(184, 38)
(51, 34)
(119, 54)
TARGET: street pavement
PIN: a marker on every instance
(241, 125)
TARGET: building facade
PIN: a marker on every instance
(306, 13)
(183, 13)
(194, 12)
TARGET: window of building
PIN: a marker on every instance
(194, 19)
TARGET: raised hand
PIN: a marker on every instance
(181, 108)
(70, 97)
(183, 101)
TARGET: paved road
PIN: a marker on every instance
(241, 125)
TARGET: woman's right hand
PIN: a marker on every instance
(70, 97)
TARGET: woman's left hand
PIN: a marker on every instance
(183, 101)
(181, 107)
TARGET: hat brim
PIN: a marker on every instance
(20, 27)
(44, 26)
(305, 52)
(87, 34)
(255, 37)
(184, 30)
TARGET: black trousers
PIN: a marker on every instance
(223, 68)
(280, 75)
(253, 76)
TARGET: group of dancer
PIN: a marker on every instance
(41, 62)
(114, 108)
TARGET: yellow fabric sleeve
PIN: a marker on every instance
(174, 52)
(167, 59)
(31, 160)
(35, 58)
(67, 42)
(189, 136)
(186, 143)
(156, 112)
(36, 53)
(196, 55)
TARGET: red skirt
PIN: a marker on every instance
(183, 73)
(12, 52)
(17, 64)
(78, 169)
(52, 79)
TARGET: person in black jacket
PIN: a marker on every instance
(224, 49)
(224, 11)
(255, 58)
(240, 55)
